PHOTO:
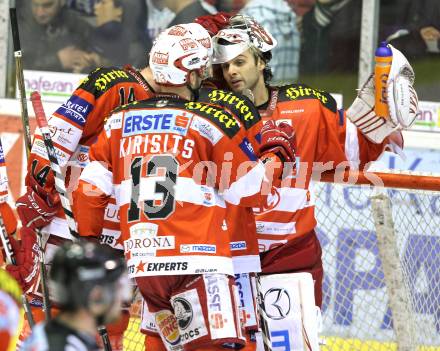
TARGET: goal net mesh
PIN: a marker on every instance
(381, 286)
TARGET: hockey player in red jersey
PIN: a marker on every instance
(75, 126)
(325, 135)
(239, 221)
(172, 162)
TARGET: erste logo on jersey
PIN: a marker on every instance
(76, 110)
(155, 121)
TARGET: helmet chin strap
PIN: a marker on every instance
(195, 92)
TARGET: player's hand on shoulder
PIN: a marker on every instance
(279, 140)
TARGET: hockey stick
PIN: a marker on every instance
(60, 185)
(28, 141)
(10, 258)
(20, 78)
(102, 330)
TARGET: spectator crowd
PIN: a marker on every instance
(314, 36)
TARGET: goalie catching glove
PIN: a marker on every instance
(402, 102)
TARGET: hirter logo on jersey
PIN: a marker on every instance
(178, 31)
(188, 44)
(160, 58)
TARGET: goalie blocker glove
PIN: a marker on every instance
(402, 102)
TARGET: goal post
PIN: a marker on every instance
(398, 294)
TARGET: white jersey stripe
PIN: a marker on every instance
(247, 185)
(98, 175)
(185, 190)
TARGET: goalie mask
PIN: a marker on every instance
(243, 33)
(82, 267)
(178, 51)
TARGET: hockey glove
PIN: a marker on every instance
(278, 140)
(402, 102)
(36, 208)
(26, 252)
(214, 23)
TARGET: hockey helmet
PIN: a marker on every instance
(179, 50)
(78, 267)
(243, 33)
(201, 35)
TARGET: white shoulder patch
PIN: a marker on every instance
(206, 129)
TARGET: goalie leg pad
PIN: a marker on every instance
(288, 315)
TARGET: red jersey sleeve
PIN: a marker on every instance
(95, 187)
(76, 124)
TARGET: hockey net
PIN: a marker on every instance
(381, 254)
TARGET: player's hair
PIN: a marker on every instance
(265, 57)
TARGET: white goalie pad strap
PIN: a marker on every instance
(402, 98)
(288, 314)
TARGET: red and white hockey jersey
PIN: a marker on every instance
(75, 126)
(171, 165)
(324, 137)
(240, 220)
